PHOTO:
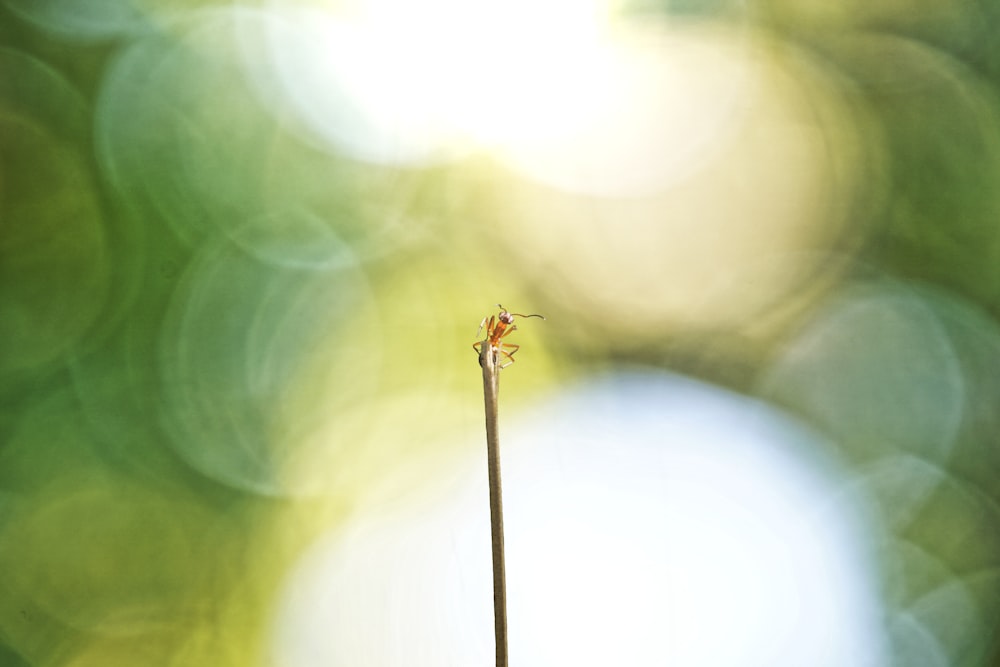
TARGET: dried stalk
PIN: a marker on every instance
(491, 386)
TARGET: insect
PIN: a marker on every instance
(499, 327)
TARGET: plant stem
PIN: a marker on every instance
(491, 387)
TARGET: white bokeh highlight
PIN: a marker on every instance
(650, 520)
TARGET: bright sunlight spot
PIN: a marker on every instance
(649, 520)
(557, 89)
(397, 82)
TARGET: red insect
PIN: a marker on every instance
(498, 328)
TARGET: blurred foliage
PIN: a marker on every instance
(228, 308)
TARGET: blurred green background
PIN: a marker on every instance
(244, 248)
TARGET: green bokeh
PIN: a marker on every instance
(219, 332)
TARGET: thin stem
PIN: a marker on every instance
(491, 387)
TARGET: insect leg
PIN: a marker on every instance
(508, 356)
(481, 325)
